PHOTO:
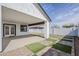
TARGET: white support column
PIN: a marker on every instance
(46, 29)
(0, 29)
(27, 28)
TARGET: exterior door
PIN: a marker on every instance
(12, 30)
(9, 30)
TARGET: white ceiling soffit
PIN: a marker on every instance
(27, 8)
(15, 16)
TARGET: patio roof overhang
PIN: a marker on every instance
(16, 16)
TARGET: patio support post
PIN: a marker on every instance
(0, 29)
(27, 28)
(46, 29)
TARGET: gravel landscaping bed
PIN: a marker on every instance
(54, 52)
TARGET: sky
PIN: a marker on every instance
(62, 13)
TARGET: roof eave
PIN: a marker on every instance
(44, 11)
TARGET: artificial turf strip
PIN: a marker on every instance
(35, 47)
(62, 47)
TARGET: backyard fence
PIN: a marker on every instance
(65, 31)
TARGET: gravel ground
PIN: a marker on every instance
(54, 52)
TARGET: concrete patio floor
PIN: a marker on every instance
(21, 42)
(23, 51)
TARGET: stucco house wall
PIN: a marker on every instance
(30, 10)
(18, 32)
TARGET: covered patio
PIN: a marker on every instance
(13, 43)
(15, 25)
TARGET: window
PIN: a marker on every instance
(12, 29)
(23, 28)
(7, 30)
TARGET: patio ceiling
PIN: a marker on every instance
(16, 16)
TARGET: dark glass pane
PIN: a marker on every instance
(23, 28)
(13, 30)
(7, 30)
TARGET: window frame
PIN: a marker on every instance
(23, 28)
